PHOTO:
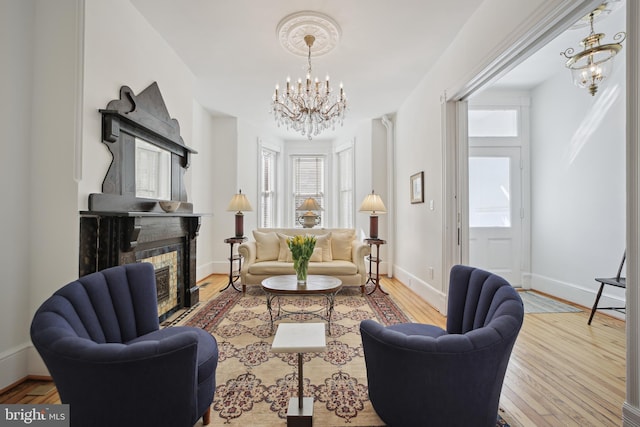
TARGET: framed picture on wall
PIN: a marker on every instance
(417, 187)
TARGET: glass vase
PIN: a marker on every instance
(301, 271)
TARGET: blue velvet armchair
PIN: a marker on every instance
(99, 337)
(422, 375)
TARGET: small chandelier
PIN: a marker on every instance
(594, 63)
(308, 107)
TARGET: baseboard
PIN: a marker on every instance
(13, 364)
(427, 292)
(630, 415)
(213, 267)
(578, 294)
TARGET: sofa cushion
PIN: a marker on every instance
(267, 246)
(323, 242)
(331, 268)
(316, 256)
(284, 254)
(341, 244)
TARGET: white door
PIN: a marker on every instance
(495, 211)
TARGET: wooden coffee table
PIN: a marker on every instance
(326, 286)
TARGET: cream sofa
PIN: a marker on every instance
(338, 253)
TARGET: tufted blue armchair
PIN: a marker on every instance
(99, 337)
(422, 375)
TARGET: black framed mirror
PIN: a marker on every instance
(149, 155)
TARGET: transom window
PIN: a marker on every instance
(493, 123)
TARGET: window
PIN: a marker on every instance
(489, 192)
(345, 188)
(267, 209)
(308, 181)
(493, 123)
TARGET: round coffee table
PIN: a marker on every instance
(325, 286)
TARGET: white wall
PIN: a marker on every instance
(17, 34)
(224, 168)
(201, 174)
(363, 170)
(40, 248)
(420, 231)
(578, 185)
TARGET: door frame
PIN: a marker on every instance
(555, 20)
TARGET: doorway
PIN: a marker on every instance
(497, 185)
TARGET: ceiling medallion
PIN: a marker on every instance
(293, 28)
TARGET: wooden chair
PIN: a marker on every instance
(620, 282)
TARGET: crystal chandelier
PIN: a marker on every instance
(308, 106)
(594, 63)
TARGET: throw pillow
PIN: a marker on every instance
(267, 246)
(323, 242)
(341, 244)
(284, 254)
(316, 256)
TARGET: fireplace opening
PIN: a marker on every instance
(166, 263)
(163, 283)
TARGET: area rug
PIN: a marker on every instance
(537, 303)
(254, 384)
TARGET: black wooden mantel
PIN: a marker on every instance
(120, 228)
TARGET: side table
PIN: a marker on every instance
(234, 274)
(375, 279)
(300, 338)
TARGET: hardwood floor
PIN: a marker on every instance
(562, 372)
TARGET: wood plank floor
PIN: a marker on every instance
(562, 372)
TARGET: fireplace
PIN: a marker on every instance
(126, 223)
(168, 284)
(168, 241)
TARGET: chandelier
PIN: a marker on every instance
(594, 63)
(308, 106)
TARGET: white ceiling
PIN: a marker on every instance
(231, 47)
(386, 47)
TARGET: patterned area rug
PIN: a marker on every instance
(254, 384)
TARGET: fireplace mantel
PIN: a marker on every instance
(125, 223)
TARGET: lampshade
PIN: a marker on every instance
(309, 219)
(373, 203)
(239, 203)
(309, 204)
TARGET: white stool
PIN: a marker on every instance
(300, 338)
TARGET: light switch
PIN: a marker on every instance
(431, 204)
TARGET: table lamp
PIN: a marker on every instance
(239, 203)
(373, 203)
(309, 218)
